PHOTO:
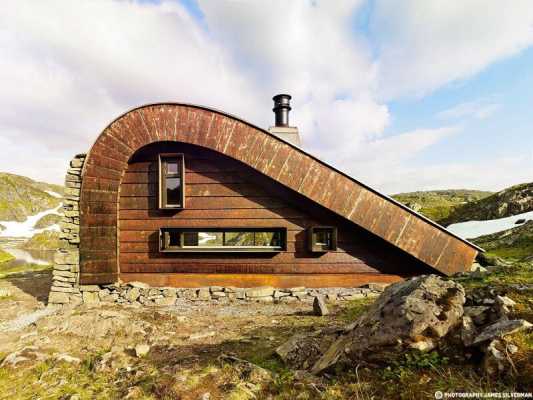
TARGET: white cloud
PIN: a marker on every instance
(479, 109)
(68, 68)
(491, 174)
(424, 45)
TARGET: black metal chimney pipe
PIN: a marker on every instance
(282, 106)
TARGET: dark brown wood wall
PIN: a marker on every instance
(221, 192)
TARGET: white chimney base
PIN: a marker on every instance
(288, 133)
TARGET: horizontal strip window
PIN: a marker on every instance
(176, 240)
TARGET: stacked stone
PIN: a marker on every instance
(141, 294)
(65, 288)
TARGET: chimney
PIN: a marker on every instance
(282, 106)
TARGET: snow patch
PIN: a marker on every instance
(26, 228)
(474, 229)
(53, 194)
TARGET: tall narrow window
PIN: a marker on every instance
(171, 185)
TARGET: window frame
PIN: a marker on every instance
(163, 248)
(311, 240)
(162, 176)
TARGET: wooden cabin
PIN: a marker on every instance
(185, 196)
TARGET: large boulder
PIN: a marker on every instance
(413, 313)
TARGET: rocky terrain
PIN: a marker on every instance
(469, 333)
(21, 197)
(437, 204)
(511, 201)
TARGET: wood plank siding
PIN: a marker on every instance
(235, 196)
(240, 176)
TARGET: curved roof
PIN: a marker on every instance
(259, 149)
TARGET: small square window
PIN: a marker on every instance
(171, 188)
(322, 238)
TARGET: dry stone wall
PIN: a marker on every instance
(65, 276)
(67, 290)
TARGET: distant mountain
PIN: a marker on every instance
(512, 201)
(21, 197)
(438, 204)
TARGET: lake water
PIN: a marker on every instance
(23, 256)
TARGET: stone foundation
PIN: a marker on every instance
(141, 294)
(65, 280)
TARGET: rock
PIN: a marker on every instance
(511, 348)
(170, 292)
(425, 307)
(423, 345)
(264, 299)
(319, 306)
(355, 296)
(218, 295)
(201, 335)
(485, 260)
(378, 286)
(468, 331)
(477, 313)
(520, 221)
(133, 294)
(259, 292)
(494, 360)
(141, 350)
(204, 294)
(205, 396)
(138, 285)
(91, 297)
(476, 266)
(89, 288)
(166, 301)
(28, 353)
(505, 301)
(4, 292)
(479, 273)
(501, 328)
(58, 298)
(67, 358)
(278, 294)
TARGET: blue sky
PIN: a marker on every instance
(402, 94)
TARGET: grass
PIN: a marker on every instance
(520, 249)
(5, 256)
(16, 269)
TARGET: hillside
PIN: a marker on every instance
(511, 201)
(437, 204)
(516, 242)
(21, 197)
